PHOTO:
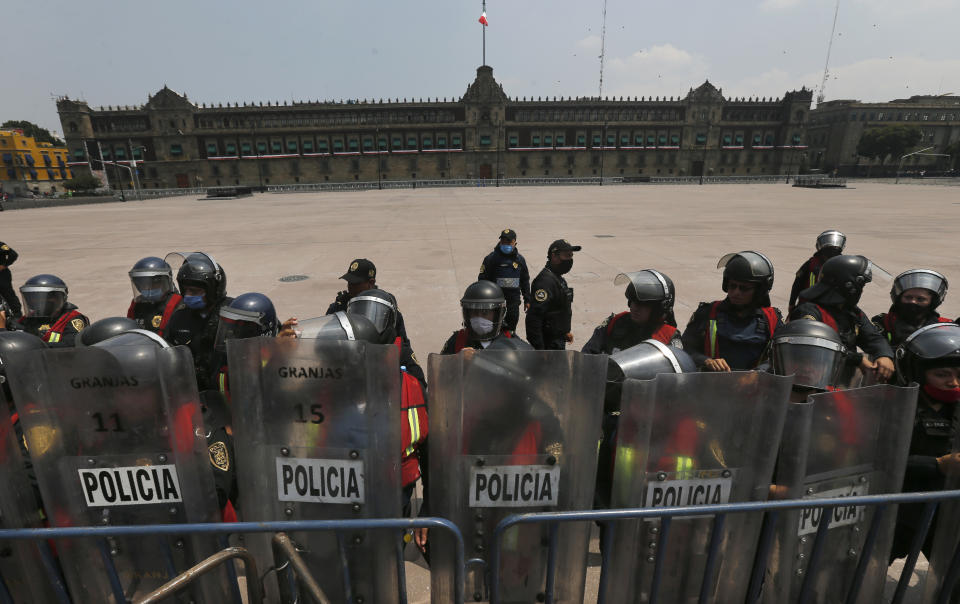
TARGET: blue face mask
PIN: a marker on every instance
(151, 295)
(506, 249)
(194, 302)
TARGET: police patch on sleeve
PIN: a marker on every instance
(482, 269)
(4, 247)
(78, 324)
(156, 321)
(516, 265)
(541, 295)
(219, 456)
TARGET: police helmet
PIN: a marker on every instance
(338, 326)
(380, 307)
(831, 239)
(103, 329)
(920, 278)
(809, 350)
(647, 359)
(932, 346)
(11, 343)
(44, 296)
(841, 281)
(247, 316)
(152, 279)
(649, 285)
(133, 337)
(483, 296)
(749, 267)
(201, 270)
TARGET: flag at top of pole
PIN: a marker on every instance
(483, 18)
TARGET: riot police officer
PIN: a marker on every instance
(810, 351)
(833, 300)
(551, 307)
(203, 285)
(361, 276)
(732, 334)
(508, 269)
(915, 294)
(650, 295)
(7, 257)
(829, 244)
(484, 308)
(154, 296)
(48, 313)
(931, 358)
(380, 307)
(249, 315)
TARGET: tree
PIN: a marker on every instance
(83, 182)
(889, 141)
(39, 133)
(953, 150)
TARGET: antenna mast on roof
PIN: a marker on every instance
(603, 47)
(826, 67)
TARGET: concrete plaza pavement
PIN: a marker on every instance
(428, 245)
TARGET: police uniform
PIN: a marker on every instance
(155, 316)
(933, 433)
(460, 339)
(361, 270)
(807, 276)
(551, 305)
(853, 326)
(58, 332)
(510, 272)
(896, 329)
(619, 332)
(7, 257)
(715, 331)
(197, 330)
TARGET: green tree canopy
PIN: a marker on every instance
(39, 133)
(889, 141)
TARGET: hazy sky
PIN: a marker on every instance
(111, 52)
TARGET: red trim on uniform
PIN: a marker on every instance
(133, 304)
(228, 513)
(827, 318)
(411, 397)
(61, 324)
(171, 306)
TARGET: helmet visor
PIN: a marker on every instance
(831, 239)
(934, 341)
(923, 279)
(647, 285)
(812, 361)
(151, 288)
(329, 327)
(233, 329)
(380, 312)
(483, 323)
(42, 303)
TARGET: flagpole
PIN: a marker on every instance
(484, 28)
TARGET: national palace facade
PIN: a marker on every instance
(482, 135)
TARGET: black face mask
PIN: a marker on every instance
(911, 313)
(564, 267)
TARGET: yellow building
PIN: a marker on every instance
(30, 166)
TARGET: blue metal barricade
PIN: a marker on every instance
(884, 504)
(398, 524)
(720, 512)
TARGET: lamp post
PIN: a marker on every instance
(379, 162)
(133, 164)
(257, 147)
(920, 152)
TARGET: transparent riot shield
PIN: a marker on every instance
(320, 425)
(27, 570)
(513, 432)
(693, 439)
(116, 438)
(946, 539)
(858, 445)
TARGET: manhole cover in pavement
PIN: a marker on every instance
(604, 236)
(292, 278)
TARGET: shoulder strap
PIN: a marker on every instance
(613, 320)
(772, 318)
(827, 318)
(664, 333)
(461, 341)
(130, 310)
(61, 323)
(171, 306)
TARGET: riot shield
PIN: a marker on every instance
(946, 539)
(23, 577)
(693, 439)
(513, 432)
(319, 423)
(116, 438)
(333, 327)
(858, 445)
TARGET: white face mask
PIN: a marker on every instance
(481, 326)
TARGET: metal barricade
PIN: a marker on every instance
(884, 504)
(281, 541)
